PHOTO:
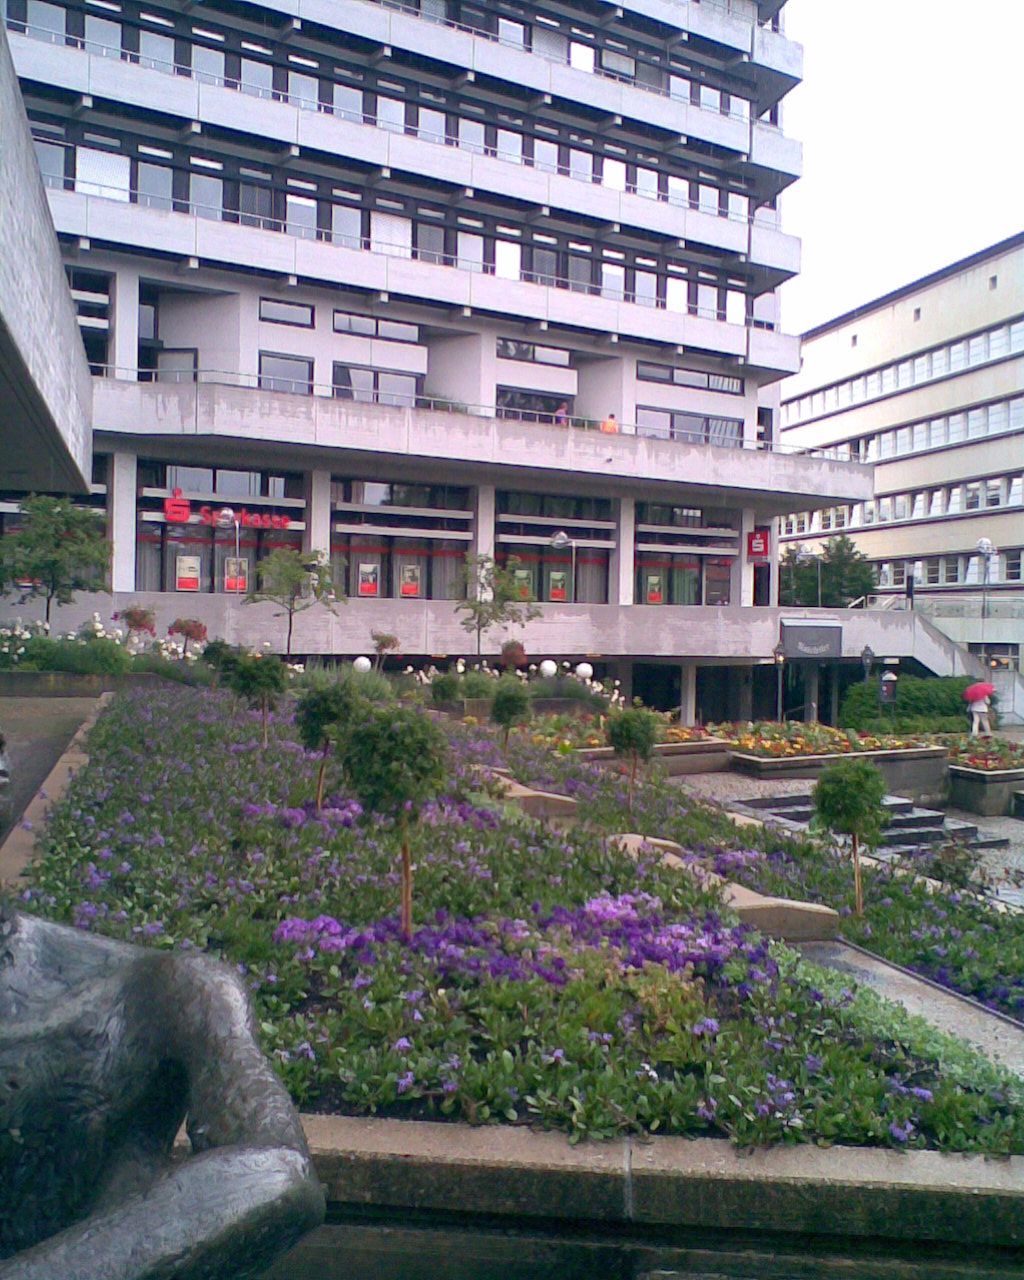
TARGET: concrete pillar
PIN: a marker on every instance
(745, 692)
(811, 692)
(123, 352)
(483, 521)
(741, 585)
(833, 694)
(317, 534)
(773, 561)
(622, 572)
(688, 693)
(121, 502)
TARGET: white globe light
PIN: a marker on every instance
(362, 664)
(548, 668)
(585, 671)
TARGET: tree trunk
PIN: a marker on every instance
(406, 881)
(288, 642)
(320, 777)
(49, 602)
(632, 782)
(266, 717)
(858, 891)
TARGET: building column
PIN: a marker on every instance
(688, 693)
(622, 572)
(483, 521)
(811, 692)
(317, 534)
(833, 694)
(775, 569)
(122, 521)
(745, 692)
(741, 584)
(123, 351)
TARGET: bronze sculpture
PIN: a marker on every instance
(105, 1049)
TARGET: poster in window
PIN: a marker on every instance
(523, 578)
(186, 573)
(558, 585)
(236, 574)
(369, 580)
(655, 592)
(409, 584)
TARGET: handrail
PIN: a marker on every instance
(431, 403)
(364, 118)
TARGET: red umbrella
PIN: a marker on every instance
(976, 692)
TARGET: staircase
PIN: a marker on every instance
(908, 828)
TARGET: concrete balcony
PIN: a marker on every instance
(342, 432)
(221, 243)
(778, 65)
(769, 349)
(670, 633)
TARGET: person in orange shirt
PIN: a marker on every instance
(610, 426)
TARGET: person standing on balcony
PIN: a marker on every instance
(562, 415)
(610, 426)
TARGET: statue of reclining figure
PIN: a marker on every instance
(104, 1049)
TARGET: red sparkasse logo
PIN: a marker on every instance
(757, 544)
(177, 510)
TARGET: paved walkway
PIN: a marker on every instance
(37, 731)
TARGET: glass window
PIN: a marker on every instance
(710, 98)
(391, 235)
(581, 56)
(45, 21)
(717, 574)
(102, 173)
(472, 135)
(619, 64)
(431, 125)
(353, 383)
(613, 174)
(545, 265)
(613, 280)
(510, 146)
(102, 36)
(725, 432)
(470, 249)
(507, 259)
(430, 242)
(155, 183)
(581, 165)
(206, 196)
(300, 216)
(513, 33)
(51, 162)
(255, 205)
(156, 50)
(645, 288)
(397, 331)
(257, 78)
(396, 388)
(545, 155)
(647, 183)
(391, 114)
(292, 374)
(277, 311)
(208, 64)
(654, 422)
(304, 90)
(347, 226)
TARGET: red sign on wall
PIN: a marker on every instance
(178, 510)
(758, 544)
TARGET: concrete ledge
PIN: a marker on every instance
(677, 759)
(918, 773)
(785, 918)
(677, 1182)
(65, 684)
(988, 792)
(17, 850)
(548, 805)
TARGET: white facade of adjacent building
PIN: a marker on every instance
(927, 383)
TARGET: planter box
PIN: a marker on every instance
(62, 684)
(920, 774)
(710, 755)
(988, 792)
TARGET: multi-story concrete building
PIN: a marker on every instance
(927, 383)
(400, 282)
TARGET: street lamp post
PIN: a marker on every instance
(226, 517)
(560, 540)
(779, 654)
(986, 549)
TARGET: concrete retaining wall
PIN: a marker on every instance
(920, 774)
(986, 792)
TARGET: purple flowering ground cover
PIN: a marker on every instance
(551, 980)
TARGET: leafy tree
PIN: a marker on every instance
(383, 644)
(846, 574)
(848, 801)
(138, 621)
(260, 679)
(321, 714)
(191, 630)
(511, 704)
(395, 761)
(59, 550)
(294, 581)
(513, 655)
(632, 734)
(220, 657)
(492, 596)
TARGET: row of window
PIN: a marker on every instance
(409, 107)
(952, 570)
(472, 243)
(937, 362)
(302, 315)
(994, 493)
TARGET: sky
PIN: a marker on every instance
(910, 117)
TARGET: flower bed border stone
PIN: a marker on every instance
(699, 1183)
(988, 792)
(678, 759)
(920, 774)
(67, 684)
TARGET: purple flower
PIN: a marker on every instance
(405, 1082)
(901, 1133)
(706, 1027)
(402, 1045)
(707, 1109)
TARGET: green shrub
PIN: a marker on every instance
(445, 687)
(476, 684)
(633, 734)
(260, 679)
(511, 704)
(916, 724)
(190, 673)
(563, 686)
(323, 714)
(99, 657)
(848, 801)
(374, 686)
(919, 700)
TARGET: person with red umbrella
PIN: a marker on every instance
(979, 701)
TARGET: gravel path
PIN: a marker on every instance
(37, 731)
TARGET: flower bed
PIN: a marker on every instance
(989, 754)
(551, 980)
(578, 732)
(771, 740)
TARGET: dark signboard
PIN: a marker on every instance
(814, 640)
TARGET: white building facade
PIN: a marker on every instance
(398, 283)
(927, 383)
